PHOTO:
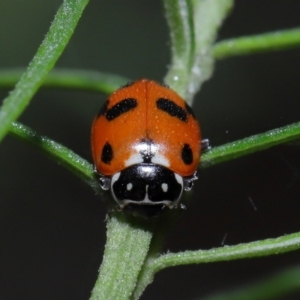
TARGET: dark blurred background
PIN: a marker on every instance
(52, 229)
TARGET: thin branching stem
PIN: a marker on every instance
(251, 144)
(208, 18)
(277, 40)
(193, 27)
(88, 80)
(51, 48)
(286, 243)
(59, 153)
(254, 249)
(179, 15)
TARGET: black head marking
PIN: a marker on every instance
(107, 153)
(187, 154)
(120, 108)
(172, 109)
(147, 179)
(103, 109)
(189, 110)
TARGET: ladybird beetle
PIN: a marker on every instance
(146, 147)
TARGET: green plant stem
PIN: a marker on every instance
(266, 247)
(192, 60)
(278, 40)
(69, 79)
(251, 144)
(127, 245)
(208, 17)
(163, 226)
(274, 287)
(54, 43)
(57, 152)
(179, 15)
(286, 243)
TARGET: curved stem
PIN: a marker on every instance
(57, 152)
(250, 145)
(279, 245)
(179, 16)
(277, 40)
(69, 79)
(53, 45)
(208, 17)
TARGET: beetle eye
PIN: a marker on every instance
(104, 182)
(189, 182)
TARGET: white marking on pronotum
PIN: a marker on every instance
(134, 159)
(129, 186)
(160, 160)
(179, 179)
(115, 178)
(144, 149)
(164, 187)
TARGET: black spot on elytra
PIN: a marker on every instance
(187, 154)
(107, 153)
(189, 110)
(120, 108)
(172, 109)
